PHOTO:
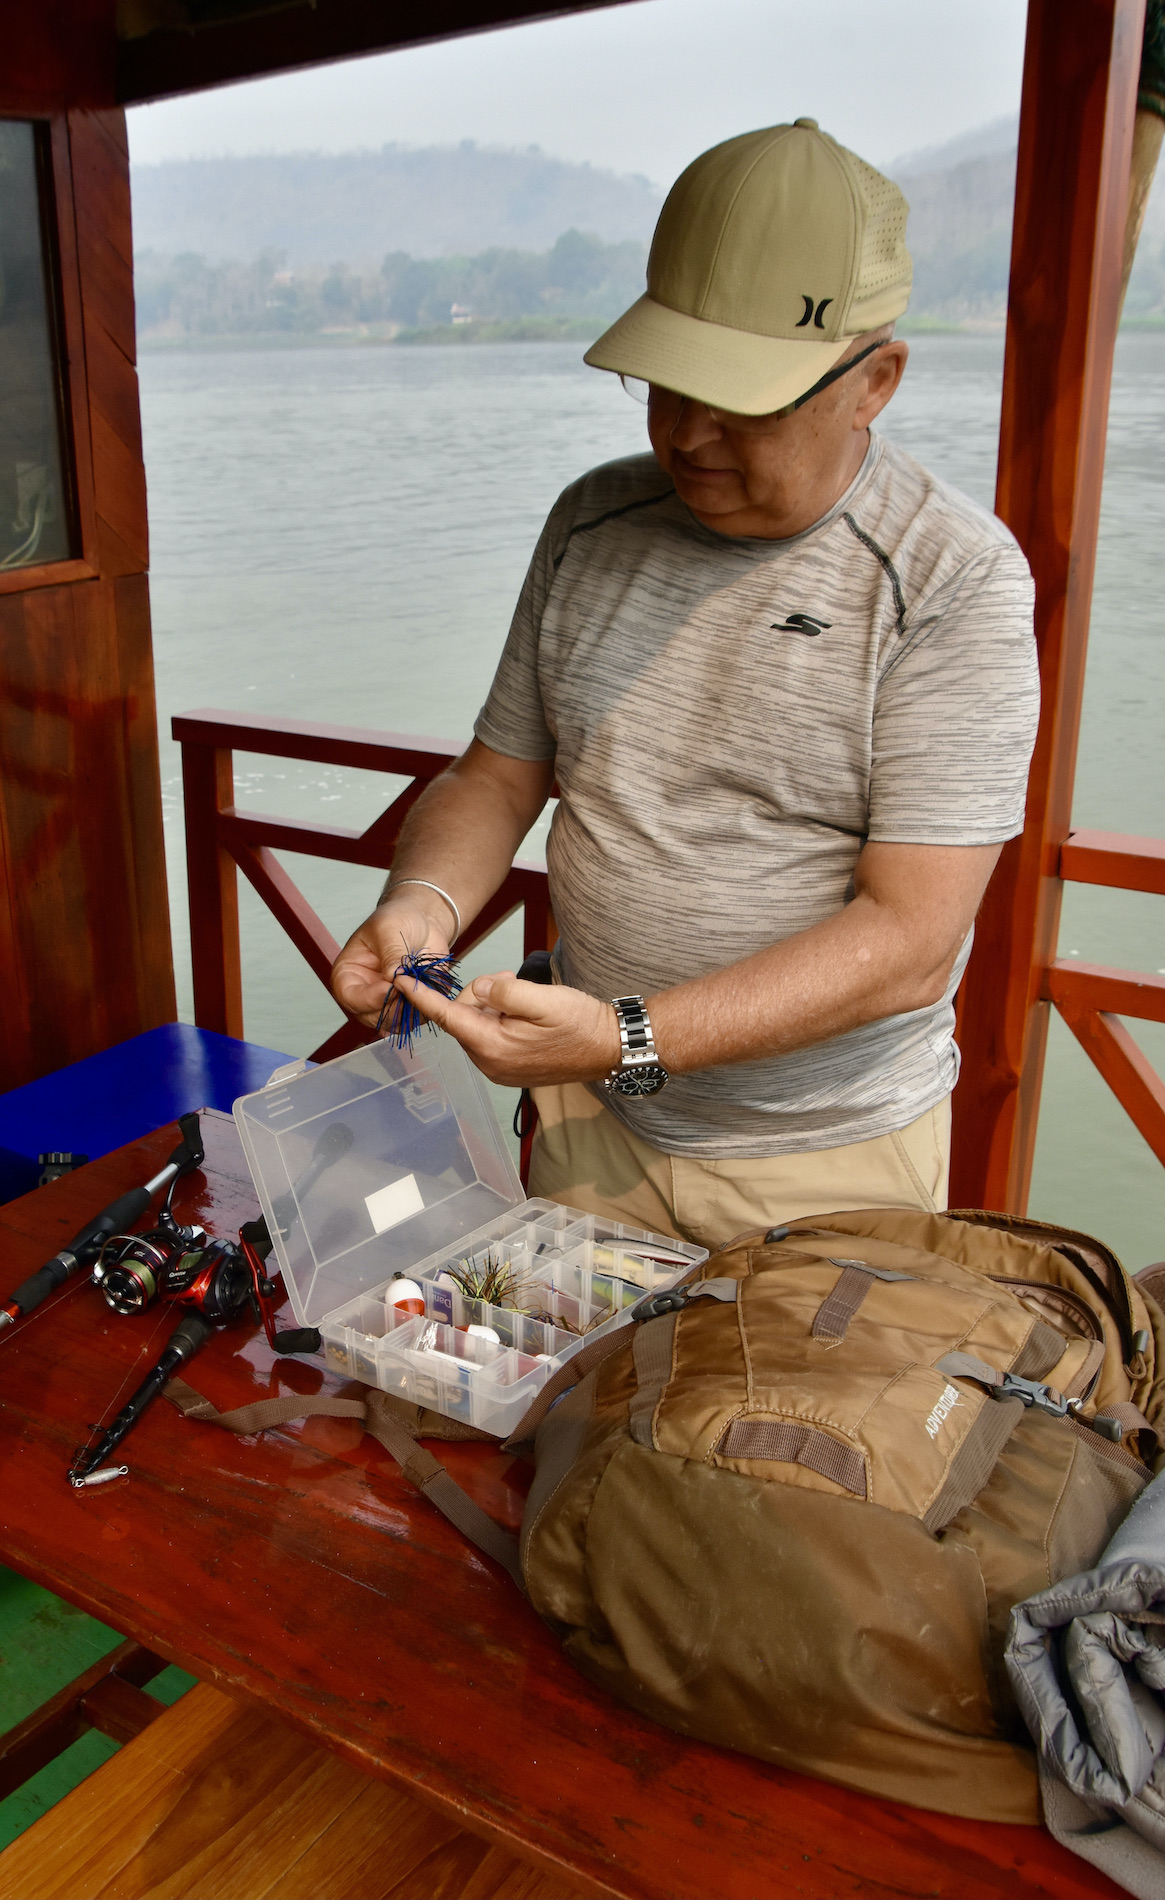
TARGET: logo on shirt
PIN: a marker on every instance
(801, 623)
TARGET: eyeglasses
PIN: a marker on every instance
(640, 392)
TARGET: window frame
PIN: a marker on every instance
(67, 336)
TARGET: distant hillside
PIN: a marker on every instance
(959, 233)
(317, 243)
(985, 141)
(317, 208)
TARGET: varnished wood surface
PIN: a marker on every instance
(1081, 66)
(84, 925)
(58, 53)
(1113, 858)
(84, 920)
(99, 165)
(223, 1802)
(363, 748)
(300, 1571)
(167, 63)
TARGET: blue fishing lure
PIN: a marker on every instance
(399, 1021)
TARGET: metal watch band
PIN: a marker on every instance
(634, 1027)
(640, 1070)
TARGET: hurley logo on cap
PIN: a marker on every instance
(822, 307)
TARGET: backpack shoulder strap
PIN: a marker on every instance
(380, 1418)
(653, 1306)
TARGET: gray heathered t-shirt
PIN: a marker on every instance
(730, 720)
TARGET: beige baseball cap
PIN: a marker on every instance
(772, 253)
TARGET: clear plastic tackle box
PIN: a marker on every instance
(390, 1163)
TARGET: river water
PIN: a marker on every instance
(339, 534)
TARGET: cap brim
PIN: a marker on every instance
(732, 369)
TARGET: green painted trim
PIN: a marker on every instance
(44, 1644)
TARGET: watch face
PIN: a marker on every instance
(648, 1079)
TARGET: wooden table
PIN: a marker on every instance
(301, 1571)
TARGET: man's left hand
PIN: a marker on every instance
(524, 1035)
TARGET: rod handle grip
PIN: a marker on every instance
(39, 1285)
(117, 1218)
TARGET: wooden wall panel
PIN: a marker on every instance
(83, 865)
(100, 176)
(84, 923)
(153, 973)
(115, 384)
(56, 54)
(119, 486)
(100, 172)
(106, 277)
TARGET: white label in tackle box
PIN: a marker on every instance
(388, 1163)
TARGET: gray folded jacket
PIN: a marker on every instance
(1087, 1664)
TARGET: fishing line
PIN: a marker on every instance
(161, 1316)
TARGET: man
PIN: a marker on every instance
(786, 682)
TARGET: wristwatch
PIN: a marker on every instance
(640, 1070)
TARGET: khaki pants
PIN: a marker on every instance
(584, 1157)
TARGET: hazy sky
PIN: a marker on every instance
(638, 88)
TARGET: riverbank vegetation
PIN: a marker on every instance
(573, 289)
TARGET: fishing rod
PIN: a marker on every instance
(218, 1281)
(191, 1332)
(85, 1246)
(172, 1264)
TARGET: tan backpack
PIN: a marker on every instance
(790, 1510)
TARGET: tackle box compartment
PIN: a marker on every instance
(388, 1164)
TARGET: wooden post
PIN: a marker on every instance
(213, 888)
(1079, 98)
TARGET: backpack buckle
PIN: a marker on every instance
(1030, 1392)
(656, 1305)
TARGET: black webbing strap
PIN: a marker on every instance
(378, 1416)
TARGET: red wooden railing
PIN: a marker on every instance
(1092, 998)
(222, 840)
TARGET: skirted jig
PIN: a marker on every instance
(399, 1020)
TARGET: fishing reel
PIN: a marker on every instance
(182, 1266)
(134, 1270)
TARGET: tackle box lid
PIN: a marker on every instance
(369, 1163)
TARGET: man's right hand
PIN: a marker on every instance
(462, 834)
(364, 969)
